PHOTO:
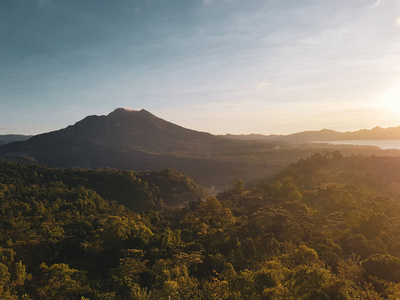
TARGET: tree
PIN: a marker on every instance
(383, 266)
(59, 281)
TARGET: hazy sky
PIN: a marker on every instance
(222, 66)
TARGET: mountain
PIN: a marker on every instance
(377, 133)
(9, 138)
(139, 130)
(138, 140)
(122, 130)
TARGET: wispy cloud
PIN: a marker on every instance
(377, 3)
(261, 84)
(131, 109)
(229, 52)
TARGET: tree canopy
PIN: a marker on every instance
(327, 227)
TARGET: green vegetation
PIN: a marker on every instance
(327, 227)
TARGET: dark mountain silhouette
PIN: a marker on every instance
(121, 130)
(138, 140)
(9, 138)
(138, 130)
(377, 133)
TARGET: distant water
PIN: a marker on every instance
(383, 144)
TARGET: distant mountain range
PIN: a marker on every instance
(377, 133)
(138, 140)
(9, 138)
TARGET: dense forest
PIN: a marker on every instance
(327, 227)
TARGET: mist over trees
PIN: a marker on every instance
(326, 227)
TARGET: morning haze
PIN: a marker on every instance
(199, 149)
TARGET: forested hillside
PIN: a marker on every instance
(327, 227)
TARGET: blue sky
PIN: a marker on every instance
(222, 66)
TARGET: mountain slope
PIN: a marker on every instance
(377, 133)
(9, 138)
(134, 130)
(121, 130)
(140, 141)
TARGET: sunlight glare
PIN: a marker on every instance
(392, 99)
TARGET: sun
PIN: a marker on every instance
(391, 100)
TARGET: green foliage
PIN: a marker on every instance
(327, 227)
(383, 266)
(59, 281)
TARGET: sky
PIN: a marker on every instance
(220, 66)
